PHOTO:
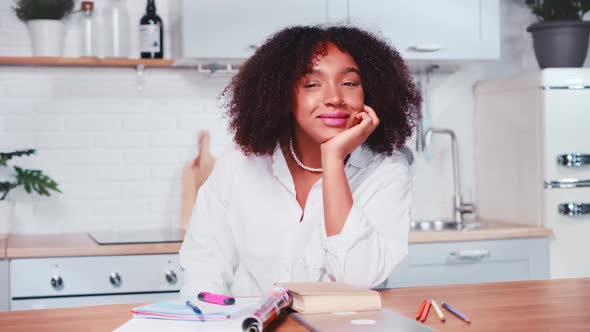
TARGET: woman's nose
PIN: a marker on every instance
(333, 97)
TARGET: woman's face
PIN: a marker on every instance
(328, 97)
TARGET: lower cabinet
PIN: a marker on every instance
(4, 298)
(40, 283)
(445, 263)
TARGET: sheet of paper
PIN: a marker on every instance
(160, 325)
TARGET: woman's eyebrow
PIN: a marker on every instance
(350, 70)
(315, 70)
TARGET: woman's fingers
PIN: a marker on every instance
(204, 142)
(372, 114)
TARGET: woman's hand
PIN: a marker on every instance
(347, 141)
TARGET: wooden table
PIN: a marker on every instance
(547, 305)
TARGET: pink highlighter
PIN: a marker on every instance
(216, 298)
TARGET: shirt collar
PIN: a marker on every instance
(361, 157)
(279, 168)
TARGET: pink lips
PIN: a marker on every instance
(334, 119)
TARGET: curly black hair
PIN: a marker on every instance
(260, 97)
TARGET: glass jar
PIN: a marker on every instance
(116, 29)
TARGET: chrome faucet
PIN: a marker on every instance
(423, 138)
(459, 207)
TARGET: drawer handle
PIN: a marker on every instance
(57, 282)
(573, 159)
(574, 209)
(115, 279)
(471, 255)
(171, 277)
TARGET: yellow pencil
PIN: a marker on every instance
(438, 311)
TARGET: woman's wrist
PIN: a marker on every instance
(331, 156)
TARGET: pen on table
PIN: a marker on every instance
(438, 311)
(193, 307)
(455, 312)
(421, 309)
(425, 311)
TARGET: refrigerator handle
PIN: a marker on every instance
(574, 209)
(573, 160)
(567, 183)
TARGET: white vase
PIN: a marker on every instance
(47, 37)
(6, 216)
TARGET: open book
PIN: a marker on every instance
(251, 314)
(326, 297)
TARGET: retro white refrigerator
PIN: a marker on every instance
(532, 141)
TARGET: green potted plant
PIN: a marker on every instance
(560, 38)
(12, 177)
(44, 21)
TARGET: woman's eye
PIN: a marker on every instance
(350, 84)
(311, 85)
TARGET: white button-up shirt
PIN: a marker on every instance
(245, 231)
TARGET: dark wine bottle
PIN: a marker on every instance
(151, 33)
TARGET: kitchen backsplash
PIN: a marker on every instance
(117, 152)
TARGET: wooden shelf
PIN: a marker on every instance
(84, 62)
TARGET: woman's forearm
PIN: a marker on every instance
(337, 196)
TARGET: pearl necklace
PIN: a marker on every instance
(307, 168)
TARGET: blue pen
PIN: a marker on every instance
(455, 312)
(194, 307)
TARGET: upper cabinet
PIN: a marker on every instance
(235, 28)
(419, 29)
(433, 29)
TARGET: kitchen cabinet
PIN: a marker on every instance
(419, 29)
(39, 283)
(461, 262)
(434, 29)
(235, 28)
(4, 297)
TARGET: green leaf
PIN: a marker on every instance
(5, 187)
(43, 9)
(6, 156)
(35, 180)
(552, 10)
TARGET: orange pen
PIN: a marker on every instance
(421, 309)
(425, 311)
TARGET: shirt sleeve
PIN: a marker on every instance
(374, 238)
(208, 253)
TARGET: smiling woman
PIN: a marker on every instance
(315, 188)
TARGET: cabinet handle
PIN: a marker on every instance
(171, 277)
(573, 160)
(115, 279)
(471, 255)
(425, 48)
(574, 209)
(57, 282)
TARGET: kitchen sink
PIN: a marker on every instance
(443, 225)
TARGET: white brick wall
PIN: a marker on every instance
(117, 152)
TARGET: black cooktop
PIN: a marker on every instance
(138, 236)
